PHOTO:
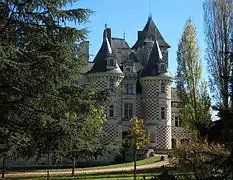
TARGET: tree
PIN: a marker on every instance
(39, 58)
(218, 24)
(137, 137)
(202, 160)
(192, 93)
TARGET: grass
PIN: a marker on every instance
(111, 176)
(130, 164)
(122, 176)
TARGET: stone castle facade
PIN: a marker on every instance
(144, 82)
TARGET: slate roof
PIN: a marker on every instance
(152, 67)
(150, 33)
(100, 61)
(120, 49)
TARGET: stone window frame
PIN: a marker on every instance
(111, 111)
(127, 111)
(162, 87)
(128, 88)
(111, 62)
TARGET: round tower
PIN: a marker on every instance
(106, 74)
(156, 100)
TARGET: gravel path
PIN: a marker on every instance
(97, 171)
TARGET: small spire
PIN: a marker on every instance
(150, 14)
(124, 35)
(105, 25)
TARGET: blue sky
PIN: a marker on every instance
(129, 16)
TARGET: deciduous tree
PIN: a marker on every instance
(218, 24)
(137, 137)
(192, 93)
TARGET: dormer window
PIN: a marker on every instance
(162, 68)
(111, 62)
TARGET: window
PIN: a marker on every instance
(111, 111)
(162, 87)
(128, 69)
(111, 62)
(177, 121)
(111, 83)
(128, 110)
(129, 88)
(162, 113)
(162, 68)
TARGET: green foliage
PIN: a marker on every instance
(195, 102)
(202, 160)
(41, 111)
(218, 25)
(137, 136)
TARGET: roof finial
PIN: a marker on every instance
(150, 14)
(105, 25)
(124, 35)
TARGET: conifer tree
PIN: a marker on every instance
(39, 58)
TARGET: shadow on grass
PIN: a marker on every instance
(108, 175)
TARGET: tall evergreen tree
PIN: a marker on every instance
(39, 58)
(191, 91)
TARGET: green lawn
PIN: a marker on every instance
(112, 176)
(130, 164)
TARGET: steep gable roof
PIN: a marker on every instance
(150, 33)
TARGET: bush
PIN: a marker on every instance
(202, 159)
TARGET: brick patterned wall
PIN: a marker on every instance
(152, 101)
(111, 132)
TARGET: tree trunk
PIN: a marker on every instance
(73, 167)
(48, 166)
(25, 164)
(3, 167)
(135, 160)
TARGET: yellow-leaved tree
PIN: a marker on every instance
(137, 137)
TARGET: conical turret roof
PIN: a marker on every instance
(152, 67)
(150, 33)
(100, 61)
